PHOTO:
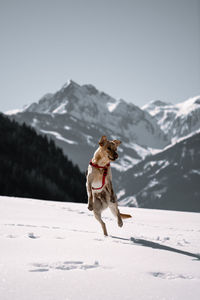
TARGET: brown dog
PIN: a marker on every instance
(99, 182)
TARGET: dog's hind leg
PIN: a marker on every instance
(97, 214)
(114, 209)
(103, 225)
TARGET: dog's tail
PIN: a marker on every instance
(125, 216)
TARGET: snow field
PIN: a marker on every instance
(54, 250)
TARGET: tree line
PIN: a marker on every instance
(31, 165)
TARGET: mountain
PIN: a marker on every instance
(176, 120)
(167, 180)
(89, 105)
(31, 166)
(77, 116)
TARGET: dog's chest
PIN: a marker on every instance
(104, 195)
(99, 179)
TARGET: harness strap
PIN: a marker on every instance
(105, 172)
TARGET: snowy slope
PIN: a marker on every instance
(166, 180)
(79, 139)
(52, 250)
(176, 120)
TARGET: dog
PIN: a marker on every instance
(99, 182)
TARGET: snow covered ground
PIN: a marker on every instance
(52, 250)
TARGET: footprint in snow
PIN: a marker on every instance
(31, 235)
(11, 236)
(65, 266)
(39, 270)
(171, 275)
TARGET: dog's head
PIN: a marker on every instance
(109, 148)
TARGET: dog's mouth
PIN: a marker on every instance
(113, 158)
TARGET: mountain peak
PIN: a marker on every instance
(159, 103)
(155, 104)
(91, 88)
(186, 107)
(70, 82)
(176, 120)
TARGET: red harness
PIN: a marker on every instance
(105, 172)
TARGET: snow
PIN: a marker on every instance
(17, 110)
(130, 201)
(89, 139)
(163, 165)
(112, 105)
(195, 172)
(89, 105)
(152, 183)
(124, 163)
(69, 81)
(175, 141)
(186, 107)
(58, 136)
(121, 193)
(67, 127)
(175, 119)
(13, 112)
(34, 122)
(160, 163)
(61, 109)
(165, 114)
(56, 250)
(141, 151)
(150, 164)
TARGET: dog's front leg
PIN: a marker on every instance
(90, 198)
(89, 193)
(113, 197)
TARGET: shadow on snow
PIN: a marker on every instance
(154, 245)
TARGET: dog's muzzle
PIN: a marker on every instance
(114, 157)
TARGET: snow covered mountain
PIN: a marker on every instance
(167, 180)
(76, 116)
(176, 120)
(87, 104)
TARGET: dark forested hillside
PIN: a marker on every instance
(32, 166)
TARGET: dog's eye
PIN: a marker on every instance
(109, 148)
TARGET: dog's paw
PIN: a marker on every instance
(90, 206)
(120, 223)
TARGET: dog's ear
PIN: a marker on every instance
(117, 142)
(103, 140)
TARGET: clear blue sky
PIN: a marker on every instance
(138, 50)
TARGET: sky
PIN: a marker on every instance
(137, 50)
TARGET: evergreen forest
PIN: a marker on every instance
(32, 166)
